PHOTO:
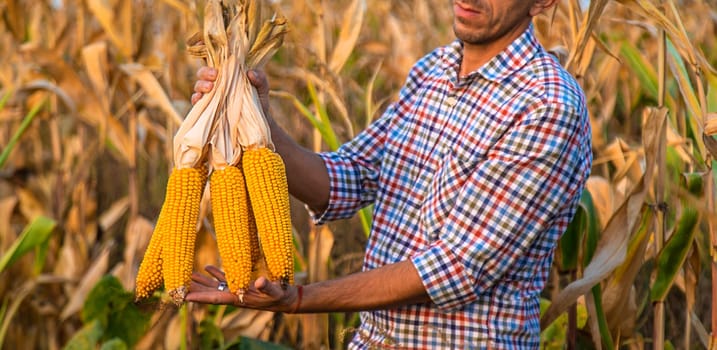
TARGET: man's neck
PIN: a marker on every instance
(477, 55)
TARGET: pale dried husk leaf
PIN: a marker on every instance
(229, 118)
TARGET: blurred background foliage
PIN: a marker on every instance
(92, 91)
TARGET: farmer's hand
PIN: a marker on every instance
(262, 294)
(206, 76)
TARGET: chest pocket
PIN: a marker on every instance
(445, 188)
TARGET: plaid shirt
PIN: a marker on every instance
(474, 179)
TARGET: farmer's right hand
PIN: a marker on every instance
(206, 76)
(205, 82)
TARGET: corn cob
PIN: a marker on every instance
(159, 260)
(231, 223)
(220, 126)
(149, 276)
(234, 39)
(256, 254)
(269, 195)
(184, 193)
(251, 43)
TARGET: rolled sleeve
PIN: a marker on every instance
(506, 208)
(355, 167)
(446, 280)
(353, 172)
(351, 187)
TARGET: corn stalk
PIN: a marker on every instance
(659, 205)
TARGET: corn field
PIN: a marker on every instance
(92, 92)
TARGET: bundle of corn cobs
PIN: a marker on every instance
(225, 137)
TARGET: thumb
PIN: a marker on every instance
(273, 290)
(261, 84)
(258, 79)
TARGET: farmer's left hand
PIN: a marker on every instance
(262, 294)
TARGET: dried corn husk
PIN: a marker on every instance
(235, 40)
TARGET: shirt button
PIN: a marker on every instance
(451, 101)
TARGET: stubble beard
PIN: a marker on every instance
(472, 38)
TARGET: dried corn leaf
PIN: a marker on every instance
(268, 41)
(151, 85)
(612, 248)
(179, 5)
(586, 32)
(136, 237)
(350, 30)
(711, 124)
(119, 31)
(254, 16)
(215, 36)
(89, 280)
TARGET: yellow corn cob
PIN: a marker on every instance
(253, 233)
(231, 223)
(269, 195)
(149, 276)
(184, 193)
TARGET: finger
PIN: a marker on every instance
(213, 297)
(207, 73)
(203, 86)
(216, 272)
(258, 79)
(196, 97)
(273, 290)
(204, 280)
(195, 286)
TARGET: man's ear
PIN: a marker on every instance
(541, 5)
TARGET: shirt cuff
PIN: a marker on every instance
(344, 190)
(444, 277)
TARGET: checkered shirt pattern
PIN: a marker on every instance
(474, 179)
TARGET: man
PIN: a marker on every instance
(475, 173)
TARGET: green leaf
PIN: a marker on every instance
(572, 239)
(643, 70)
(689, 96)
(366, 215)
(113, 307)
(26, 121)
(605, 336)
(711, 93)
(584, 229)
(682, 77)
(327, 133)
(86, 338)
(40, 256)
(592, 233)
(210, 335)
(35, 234)
(554, 336)
(324, 126)
(694, 183)
(5, 98)
(114, 344)
(673, 254)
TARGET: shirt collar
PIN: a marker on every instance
(511, 59)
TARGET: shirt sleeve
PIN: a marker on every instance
(507, 202)
(353, 172)
(354, 168)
